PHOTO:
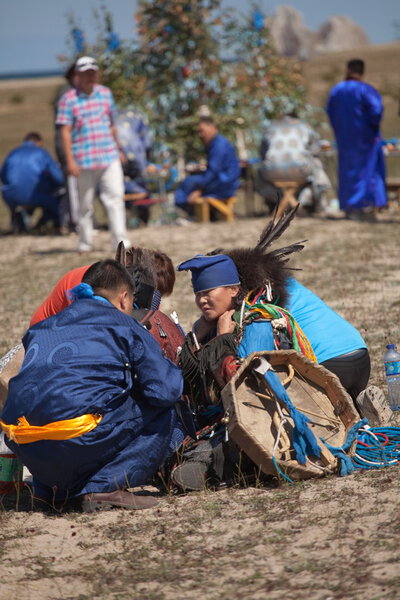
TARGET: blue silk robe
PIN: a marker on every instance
(355, 110)
(221, 178)
(92, 358)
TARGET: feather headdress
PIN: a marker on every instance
(258, 268)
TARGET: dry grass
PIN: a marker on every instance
(332, 538)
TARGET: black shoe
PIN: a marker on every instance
(190, 476)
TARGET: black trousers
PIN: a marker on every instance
(353, 370)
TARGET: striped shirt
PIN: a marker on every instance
(91, 118)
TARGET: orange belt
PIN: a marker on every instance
(23, 433)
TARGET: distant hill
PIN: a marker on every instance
(293, 38)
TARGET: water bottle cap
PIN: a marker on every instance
(390, 346)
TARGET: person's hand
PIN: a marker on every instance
(225, 323)
(151, 169)
(122, 157)
(72, 168)
(194, 197)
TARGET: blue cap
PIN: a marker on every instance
(209, 272)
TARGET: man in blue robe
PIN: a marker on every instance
(31, 178)
(93, 366)
(221, 177)
(355, 111)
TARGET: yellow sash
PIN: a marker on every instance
(23, 433)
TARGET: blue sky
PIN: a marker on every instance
(34, 32)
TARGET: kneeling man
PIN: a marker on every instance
(91, 411)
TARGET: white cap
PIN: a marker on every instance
(86, 63)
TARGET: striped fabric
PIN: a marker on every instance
(91, 117)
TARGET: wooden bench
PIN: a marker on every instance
(224, 208)
(393, 185)
(289, 189)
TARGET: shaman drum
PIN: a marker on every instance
(262, 427)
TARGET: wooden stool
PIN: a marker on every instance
(289, 189)
(393, 185)
(223, 206)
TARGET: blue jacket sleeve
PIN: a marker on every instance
(54, 170)
(158, 380)
(258, 336)
(215, 161)
(373, 106)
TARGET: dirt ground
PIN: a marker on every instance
(328, 539)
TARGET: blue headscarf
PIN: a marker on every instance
(209, 272)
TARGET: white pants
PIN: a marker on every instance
(110, 184)
(73, 196)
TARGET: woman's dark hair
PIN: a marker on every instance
(108, 275)
(165, 272)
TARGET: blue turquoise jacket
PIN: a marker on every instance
(92, 358)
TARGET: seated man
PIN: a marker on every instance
(91, 411)
(31, 178)
(288, 151)
(221, 177)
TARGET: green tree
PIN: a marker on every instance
(190, 54)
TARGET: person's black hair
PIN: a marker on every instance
(356, 66)
(109, 276)
(207, 119)
(33, 136)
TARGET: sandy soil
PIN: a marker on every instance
(334, 538)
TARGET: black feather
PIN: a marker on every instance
(275, 229)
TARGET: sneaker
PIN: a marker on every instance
(372, 405)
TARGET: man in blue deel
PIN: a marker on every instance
(31, 178)
(92, 410)
(355, 111)
(221, 177)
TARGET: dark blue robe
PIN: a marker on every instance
(355, 110)
(221, 178)
(92, 358)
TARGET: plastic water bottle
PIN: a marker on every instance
(391, 359)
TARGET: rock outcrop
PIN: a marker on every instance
(293, 38)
